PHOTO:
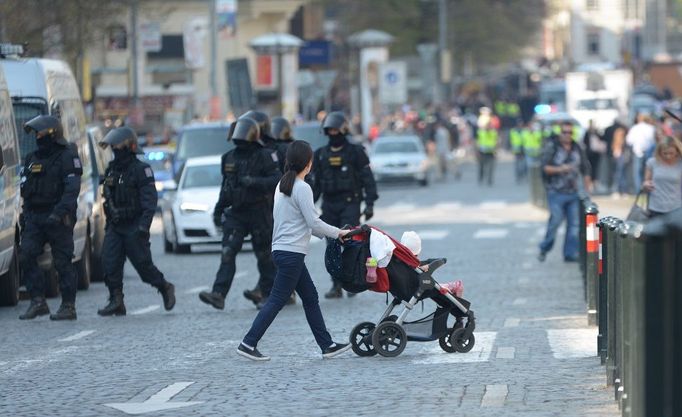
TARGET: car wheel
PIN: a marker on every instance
(83, 266)
(10, 281)
(177, 247)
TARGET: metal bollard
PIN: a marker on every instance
(611, 304)
(591, 259)
(602, 298)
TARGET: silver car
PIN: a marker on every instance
(400, 158)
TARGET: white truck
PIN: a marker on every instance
(600, 96)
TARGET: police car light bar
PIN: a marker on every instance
(8, 49)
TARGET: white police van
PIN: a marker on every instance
(44, 86)
(9, 200)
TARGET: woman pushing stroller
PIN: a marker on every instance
(295, 219)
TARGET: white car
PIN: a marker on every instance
(400, 158)
(188, 207)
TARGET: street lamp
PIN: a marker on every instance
(278, 44)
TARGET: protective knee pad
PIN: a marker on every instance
(228, 254)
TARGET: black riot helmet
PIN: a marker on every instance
(281, 129)
(336, 120)
(245, 130)
(46, 127)
(261, 118)
(121, 138)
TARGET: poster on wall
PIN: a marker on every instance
(193, 37)
(226, 18)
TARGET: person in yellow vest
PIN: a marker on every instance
(532, 144)
(486, 141)
(516, 134)
(556, 130)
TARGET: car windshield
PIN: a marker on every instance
(402, 146)
(202, 176)
(597, 104)
(203, 142)
(25, 110)
(312, 134)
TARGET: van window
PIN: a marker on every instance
(25, 109)
(7, 132)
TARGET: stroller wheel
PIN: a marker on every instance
(361, 339)
(461, 342)
(444, 342)
(389, 339)
(392, 317)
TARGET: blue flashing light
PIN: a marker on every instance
(543, 109)
(156, 156)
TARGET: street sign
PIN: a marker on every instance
(393, 83)
(150, 36)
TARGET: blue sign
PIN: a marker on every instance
(315, 53)
(391, 77)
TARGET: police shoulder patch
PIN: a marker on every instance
(274, 156)
(148, 172)
(77, 163)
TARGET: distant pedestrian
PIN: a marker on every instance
(295, 219)
(565, 166)
(663, 177)
(596, 150)
(486, 142)
(640, 138)
(443, 147)
(516, 136)
(622, 161)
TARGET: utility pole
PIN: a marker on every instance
(215, 100)
(133, 50)
(442, 49)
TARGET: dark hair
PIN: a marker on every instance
(299, 155)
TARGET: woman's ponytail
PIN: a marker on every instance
(299, 155)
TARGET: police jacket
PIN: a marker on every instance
(280, 150)
(51, 181)
(250, 176)
(130, 192)
(343, 174)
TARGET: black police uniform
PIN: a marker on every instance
(344, 179)
(250, 174)
(130, 203)
(50, 184)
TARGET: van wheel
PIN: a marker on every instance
(10, 281)
(83, 266)
(51, 282)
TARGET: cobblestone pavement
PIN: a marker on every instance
(534, 353)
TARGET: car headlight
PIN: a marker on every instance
(187, 208)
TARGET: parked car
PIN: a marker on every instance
(45, 86)
(160, 158)
(10, 273)
(188, 210)
(400, 158)
(201, 139)
(99, 159)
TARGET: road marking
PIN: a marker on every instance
(145, 310)
(494, 396)
(401, 207)
(158, 401)
(196, 290)
(495, 204)
(452, 205)
(573, 343)
(433, 234)
(505, 353)
(491, 233)
(522, 225)
(519, 301)
(512, 322)
(481, 351)
(77, 336)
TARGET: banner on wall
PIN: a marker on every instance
(226, 18)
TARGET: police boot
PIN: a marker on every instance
(213, 299)
(335, 292)
(255, 295)
(168, 294)
(67, 311)
(115, 306)
(37, 308)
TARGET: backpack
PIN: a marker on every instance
(347, 264)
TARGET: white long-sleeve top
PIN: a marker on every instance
(295, 219)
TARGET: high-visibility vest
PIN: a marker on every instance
(576, 132)
(513, 109)
(487, 140)
(500, 108)
(516, 140)
(532, 142)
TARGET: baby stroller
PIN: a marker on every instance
(408, 284)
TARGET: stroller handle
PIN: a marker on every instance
(437, 263)
(360, 230)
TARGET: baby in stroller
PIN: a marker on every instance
(409, 280)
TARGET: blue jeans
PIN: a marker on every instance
(292, 274)
(562, 206)
(637, 172)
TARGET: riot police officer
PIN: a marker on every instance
(244, 207)
(342, 176)
(50, 184)
(129, 203)
(281, 132)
